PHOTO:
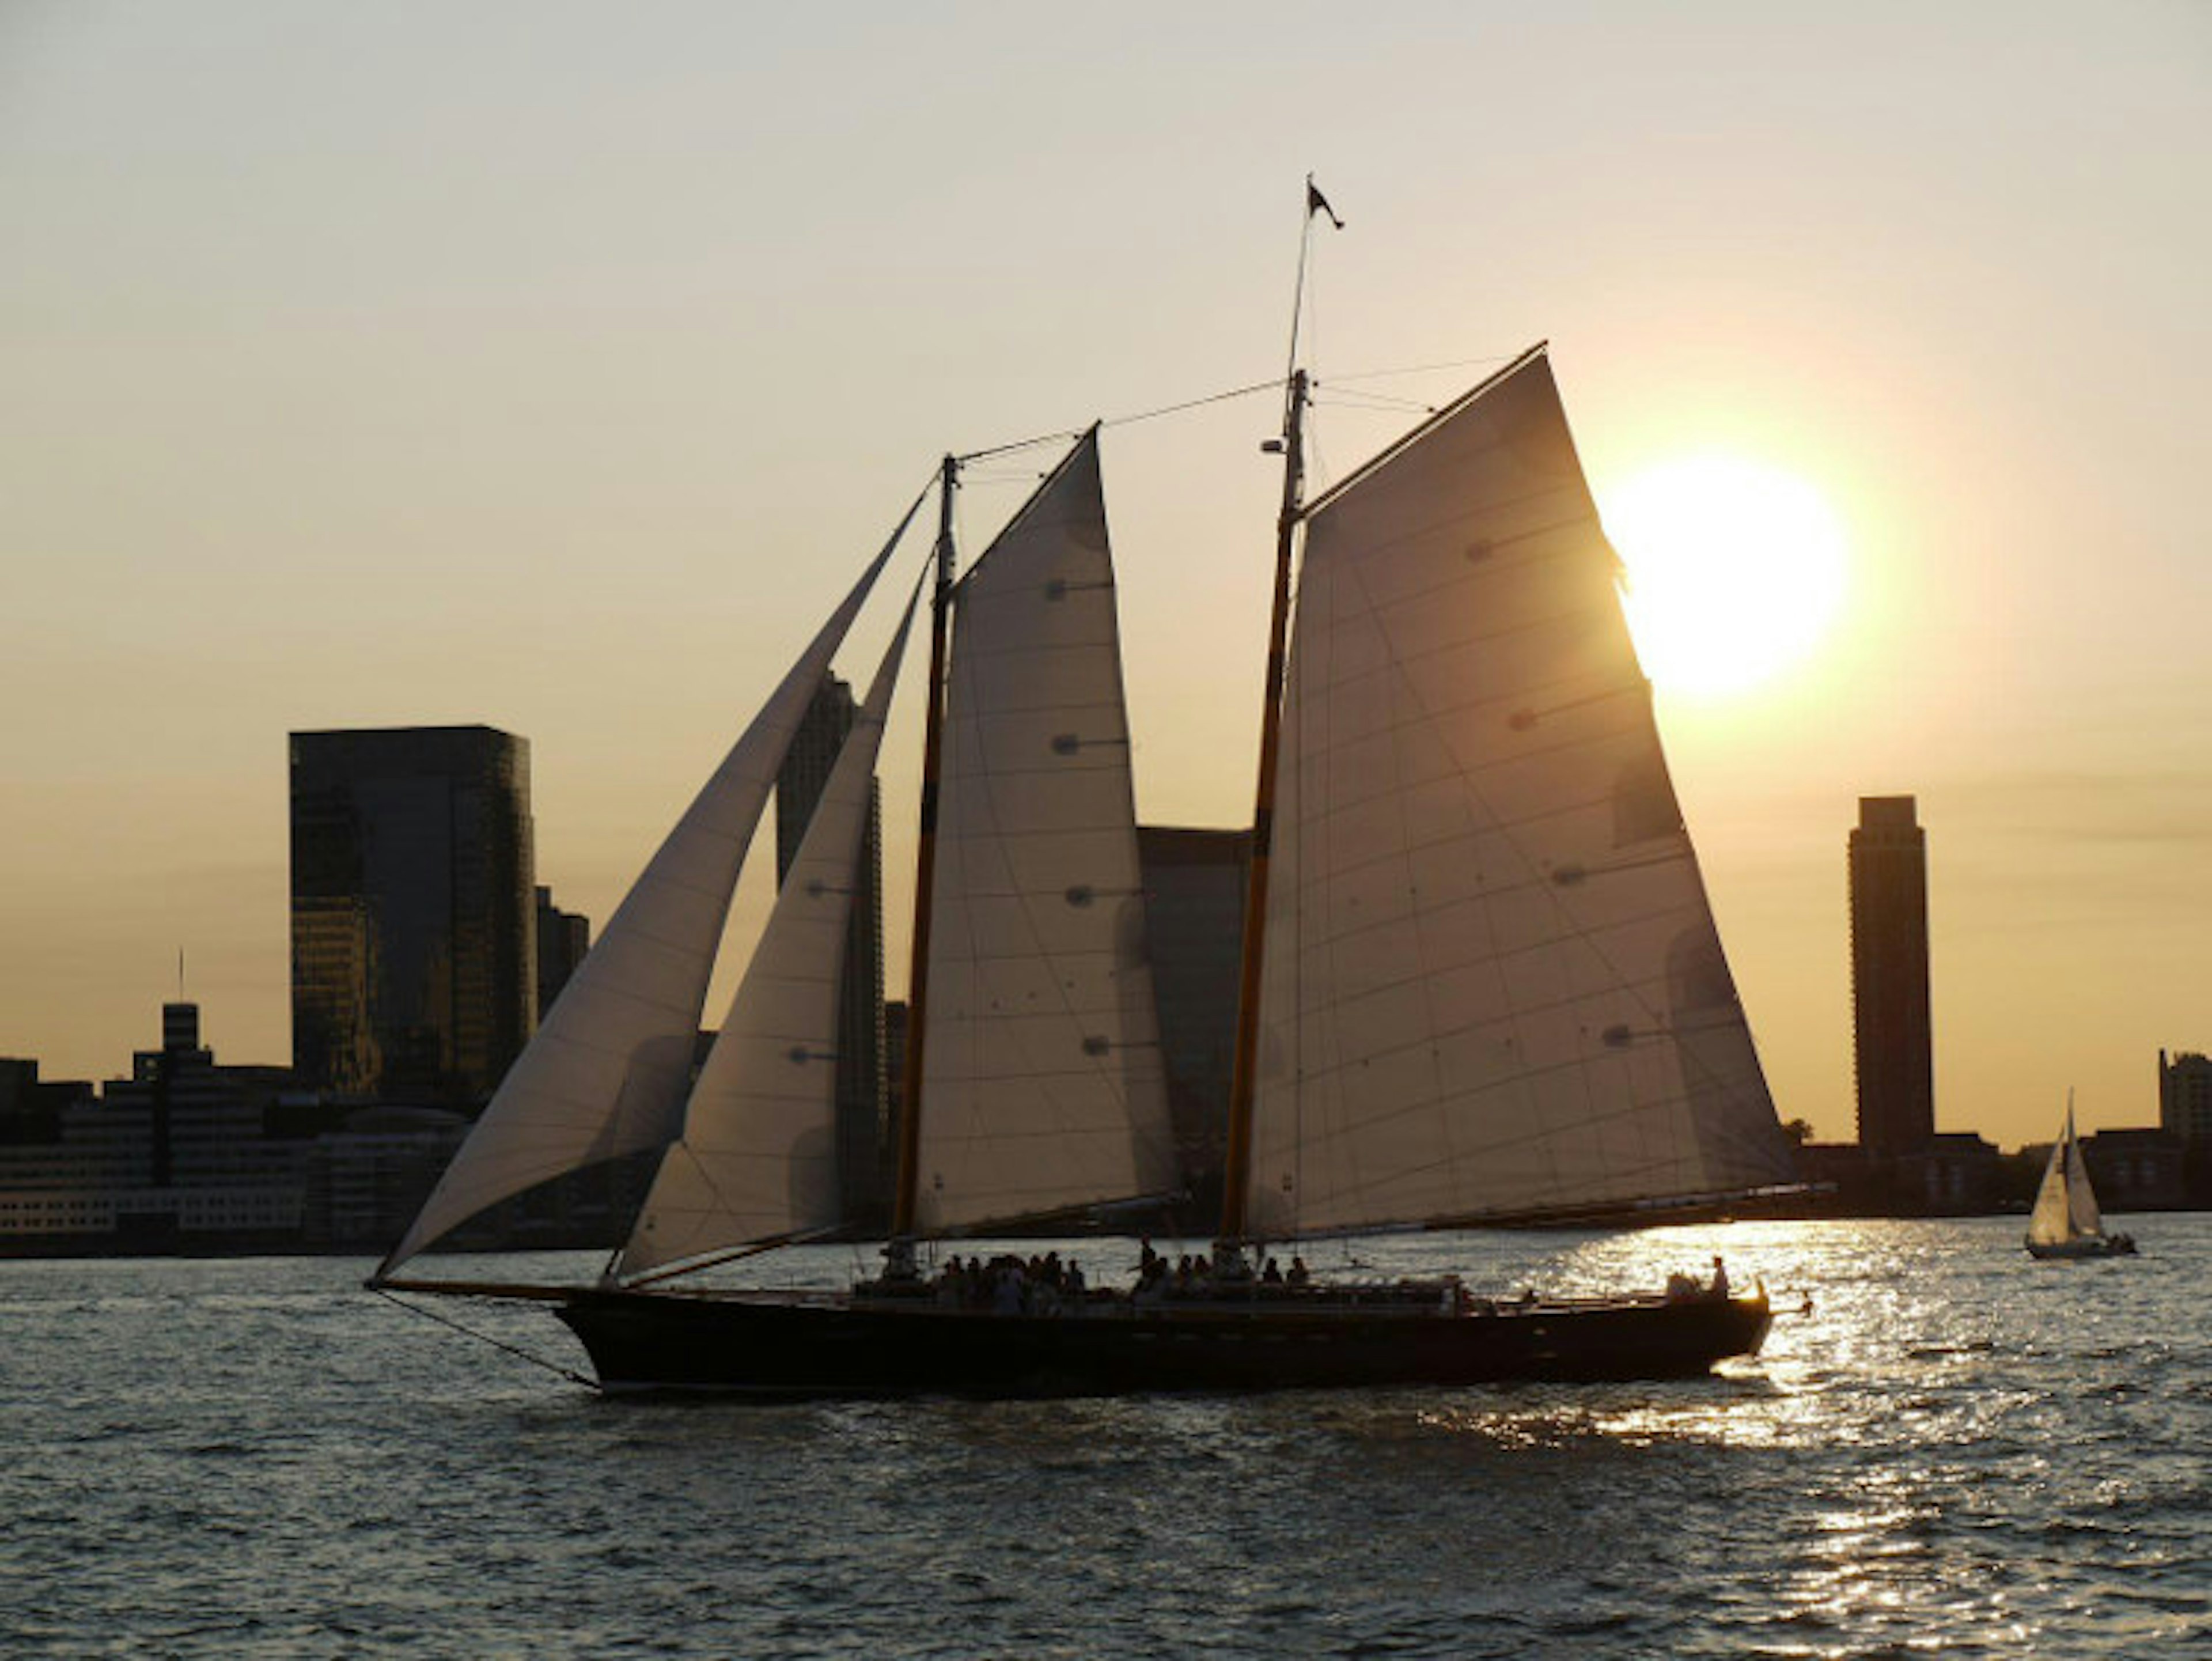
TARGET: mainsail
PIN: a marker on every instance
(606, 1072)
(1042, 1085)
(2065, 1204)
(1493, 986)
(757, 1158)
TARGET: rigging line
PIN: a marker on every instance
(1195, 403)
(1426, 368)
(1068, 435)
(1272, 384)
(1028, 476)
(1062, 436)
(485, 1337)
(1269, 384)
(1378, 402)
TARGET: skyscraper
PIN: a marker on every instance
(563, 937)
(1194, 883)
(2185, 1095)
(414, 918)
(1891, 1047)
(863, 1097)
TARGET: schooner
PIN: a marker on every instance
(1481, 985)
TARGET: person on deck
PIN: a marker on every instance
(1299, 1275)
(1720, 1287)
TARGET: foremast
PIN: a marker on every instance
(900, 1252)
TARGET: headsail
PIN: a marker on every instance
(606, 1072)
(1042, 1085)
(2065, 1204)
(757, 1158)
(1493, 986)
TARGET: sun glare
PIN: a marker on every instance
(1736, 570)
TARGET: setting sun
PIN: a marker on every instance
(1735, 570)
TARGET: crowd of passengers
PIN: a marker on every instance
(1009, 1284)
(1012, 1284)
(1195, 1277)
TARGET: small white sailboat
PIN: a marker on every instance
(2066, 1222)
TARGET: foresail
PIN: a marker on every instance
(1042, 1085)
(757, 1158)
(1493, 986)
(606, 1073)
(2050, 1223)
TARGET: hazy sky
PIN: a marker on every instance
(554, 366)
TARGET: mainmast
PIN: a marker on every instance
(901, 1253)
(1237, 1172)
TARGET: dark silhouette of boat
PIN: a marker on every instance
(1481, 981)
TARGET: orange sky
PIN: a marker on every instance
(389, 365)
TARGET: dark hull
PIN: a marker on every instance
(796, 1345)
(2095, 1245)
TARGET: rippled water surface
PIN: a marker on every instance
(1957, 1452)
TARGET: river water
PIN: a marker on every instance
(1957, 1452)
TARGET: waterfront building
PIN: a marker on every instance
(1892, 1046)
(2185, 1096)
(174, 1158)
(2135, 1170)
(1949, 1174)
(364, 1182)
(865, 1147)
(563, 937)
(414, 917)
(31, 1107)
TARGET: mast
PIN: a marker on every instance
(1236, 1172)
(917, 1027)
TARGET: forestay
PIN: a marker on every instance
(1493, 986)
(1042, 1085)
(606, 1073)
(758, 1158)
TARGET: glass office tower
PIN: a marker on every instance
(414, 914)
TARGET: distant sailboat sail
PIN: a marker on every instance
(2066, 1221)
(2064, 1201)
(606, 1073)
(1043, 1084)
(1492, 985)
(757, 1158)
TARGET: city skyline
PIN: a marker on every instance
(553, 384)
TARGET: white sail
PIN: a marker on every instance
(2065, 1205)
(1042, 1084)
(2081, 1212)
(1493, 986)
(606, 1072)
(757, 1158)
